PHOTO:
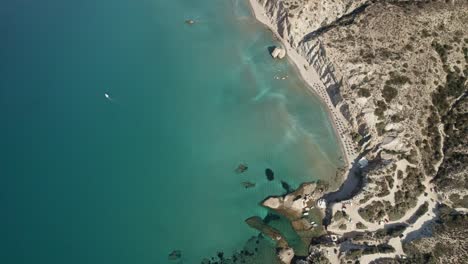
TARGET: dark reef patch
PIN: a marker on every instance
(269, 174)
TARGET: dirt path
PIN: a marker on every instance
(352, 210)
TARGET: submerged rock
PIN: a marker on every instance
(248, 184)
(189, 21)
(257, 223)
(175, 255)
(242, 168)
(286, 187)
(269, 174)
(292, 205)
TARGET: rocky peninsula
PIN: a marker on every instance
(393, 75)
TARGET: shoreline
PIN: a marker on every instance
(311, 78)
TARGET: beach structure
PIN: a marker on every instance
(363, 163)
(321, 203)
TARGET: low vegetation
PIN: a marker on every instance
(448, 243)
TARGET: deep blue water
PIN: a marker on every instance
(84, 179)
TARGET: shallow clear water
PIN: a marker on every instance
(127, 180)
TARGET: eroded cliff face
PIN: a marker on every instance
(296, 19)
(392, 68)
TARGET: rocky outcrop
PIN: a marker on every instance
(295, 19)
(284, 253)
(278, 53)
(257, 223)
(294, 204)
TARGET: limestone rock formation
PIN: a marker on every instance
(278, 53)
(294, 204)
(257, 223)
(286, 255)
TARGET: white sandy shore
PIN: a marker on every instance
(315, 85)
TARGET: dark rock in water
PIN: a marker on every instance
(189, 21)
(242, 168)
(175, 255)
(257, 223)
(248, 184)
(286, 186)
(269, 174)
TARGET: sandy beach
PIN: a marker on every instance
(314, 84)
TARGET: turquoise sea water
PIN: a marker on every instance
(84, 179)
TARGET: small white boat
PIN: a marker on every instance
(107, 96)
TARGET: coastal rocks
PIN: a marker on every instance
(257, 223)
(270, 174)
(273, 202)
(293, 204)
(278, 53)
(284, 252)
(286, 255)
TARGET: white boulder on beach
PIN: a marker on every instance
(278, 53)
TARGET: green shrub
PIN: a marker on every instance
(360, 225)
(381, 108)
(389, 93)
(421, 210)
(441, 50)
(364, 92)
(397, 80)
(354, 253)
(380, 128)
(338, 216)
(390, 181)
